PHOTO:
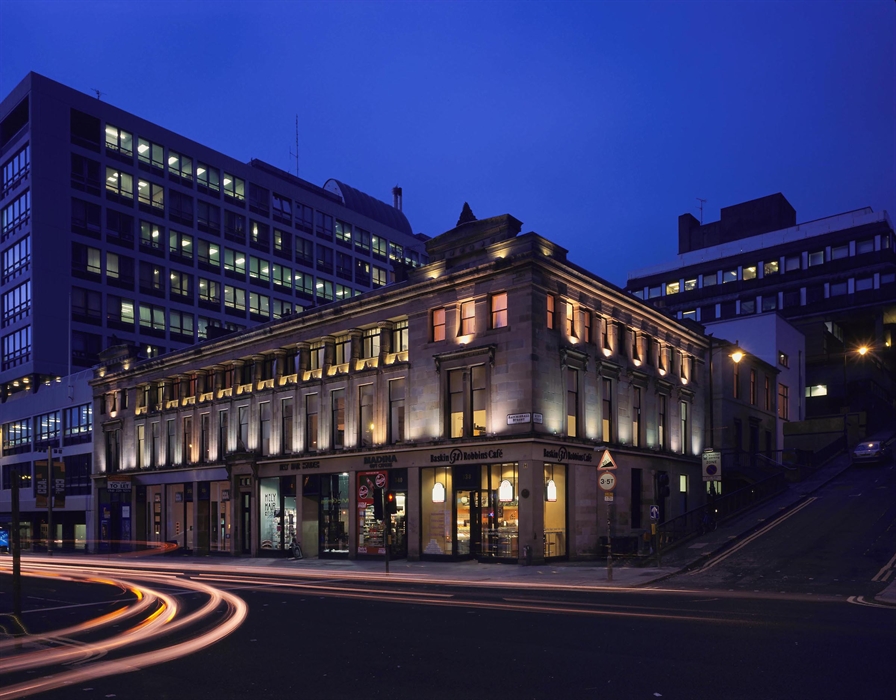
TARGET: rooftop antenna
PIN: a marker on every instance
(702, 202)
(296, 154)
(99, 95)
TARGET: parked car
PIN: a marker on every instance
(871, 452)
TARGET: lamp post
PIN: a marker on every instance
(737, 355)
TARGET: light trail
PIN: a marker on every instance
(158, 613)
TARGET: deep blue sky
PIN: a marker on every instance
(596, 124)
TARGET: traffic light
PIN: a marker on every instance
(377, 504)
(391, 504)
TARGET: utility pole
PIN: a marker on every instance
(51, 489)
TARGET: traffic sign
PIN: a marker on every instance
(607, 481)
(712, 465)
(606, 461)
(654, 512)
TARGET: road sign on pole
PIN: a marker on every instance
(607, 481)
(654, 513)
(606, 461)
(712, 465)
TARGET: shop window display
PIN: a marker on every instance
(277, 513)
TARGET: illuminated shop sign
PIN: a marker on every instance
(380, 459)
(458, 455)
(563, 454)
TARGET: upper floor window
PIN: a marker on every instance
(499, 310)
(16, 348)
(729, 276)
(585, 322)
(150, 154)
(770, 268)
(467, 318)
(119, 184)
(209, 254)
(783, 402)
(370, 343)
(343, 233)
(816, 258)
(750, 272)
(690, 284)
(259, 199)
(16, 259)
(839, 288)
(151, 194)
(792, 263)
(119, 140)
(400, 336)
(571, 320)
(380, 278)
(551, 304)
(438, 325)
(362, 241)
(17, 167)
(839, 252)
(208, 179)
(710, 278)
(467, 401)
(379, 247)
(16, 213)
(783, 359)
(282, 207)
(180, 166)
(865, 246)
(180, 247)
(672, 288)
(572, 402)
(234, 187)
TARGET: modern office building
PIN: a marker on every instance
(512, 402)
(115, 229)
(833, 279)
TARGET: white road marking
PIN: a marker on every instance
(716, 560)
(888, 567)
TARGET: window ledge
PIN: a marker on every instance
(141, 411)
(312, 374)
(266, 384)
(189, 401)
(207, 396)
(367, 363)
(289, 379)
(394, 357)
(244, 389)
(174, 403)
(228, 392)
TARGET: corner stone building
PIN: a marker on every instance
(483, 393)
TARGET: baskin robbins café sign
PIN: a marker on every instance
(566, 454)
(457, 455)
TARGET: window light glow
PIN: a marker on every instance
(550, 491)
(505, 492)
(438, 492)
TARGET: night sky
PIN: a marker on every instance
(596, 124)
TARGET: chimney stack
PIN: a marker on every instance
(396, 197)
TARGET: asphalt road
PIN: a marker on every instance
(349, 639)
(786, 613)
(835, 543)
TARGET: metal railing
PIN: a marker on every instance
(691, 523)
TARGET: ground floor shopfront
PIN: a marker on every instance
(512, 502)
